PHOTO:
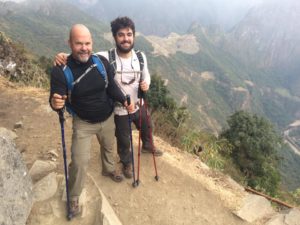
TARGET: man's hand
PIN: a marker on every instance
(144, 86)
(130, 108)
(58, 101)
(60, 59)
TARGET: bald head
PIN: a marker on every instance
(80, 42)
(79, 29)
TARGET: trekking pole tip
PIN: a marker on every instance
(134, 184)
(137, 182)
(69, 216)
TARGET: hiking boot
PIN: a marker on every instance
(157, 152)
(115, 176)
(127, 171)
(75, 208)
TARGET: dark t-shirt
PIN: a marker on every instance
(90, 100)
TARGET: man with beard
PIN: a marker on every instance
(130, 79)
(92, 107)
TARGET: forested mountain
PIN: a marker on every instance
(43, 25)
(267, 39)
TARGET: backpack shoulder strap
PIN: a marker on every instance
(100, 68)
(70, 80)
(141, 59)
(69, 77)
(112, 59)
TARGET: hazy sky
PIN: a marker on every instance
(227, 3)
(230, 2)
(12, 0)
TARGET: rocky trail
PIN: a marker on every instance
(187, 193)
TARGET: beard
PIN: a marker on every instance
(82, 57)
(122, 49)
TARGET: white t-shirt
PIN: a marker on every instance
(128, 75)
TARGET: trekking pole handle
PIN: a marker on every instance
(128, 99)
(61, 115)
(141, 93)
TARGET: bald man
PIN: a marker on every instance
(92, 107)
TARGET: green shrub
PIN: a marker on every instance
(255, 150)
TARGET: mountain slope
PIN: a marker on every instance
(268, 35)
(267, 40)
(162, 17)
(16, 64)
(43, 25)
(212, 83)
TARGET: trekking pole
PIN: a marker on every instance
(134, 184)
(150, 135)
(61, 121)
(139, 145)
(140, 96)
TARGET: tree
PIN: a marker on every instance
(169, 119)
(255, 145)
(158, 95)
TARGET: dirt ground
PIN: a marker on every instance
(186, 193)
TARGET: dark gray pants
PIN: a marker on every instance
(123, 133)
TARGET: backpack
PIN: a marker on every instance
(113, 63)
(70, 78)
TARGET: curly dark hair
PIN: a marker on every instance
(120, 23)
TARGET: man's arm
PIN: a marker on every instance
(146, 80)
(58, 89)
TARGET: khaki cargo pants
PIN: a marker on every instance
(80, 151)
